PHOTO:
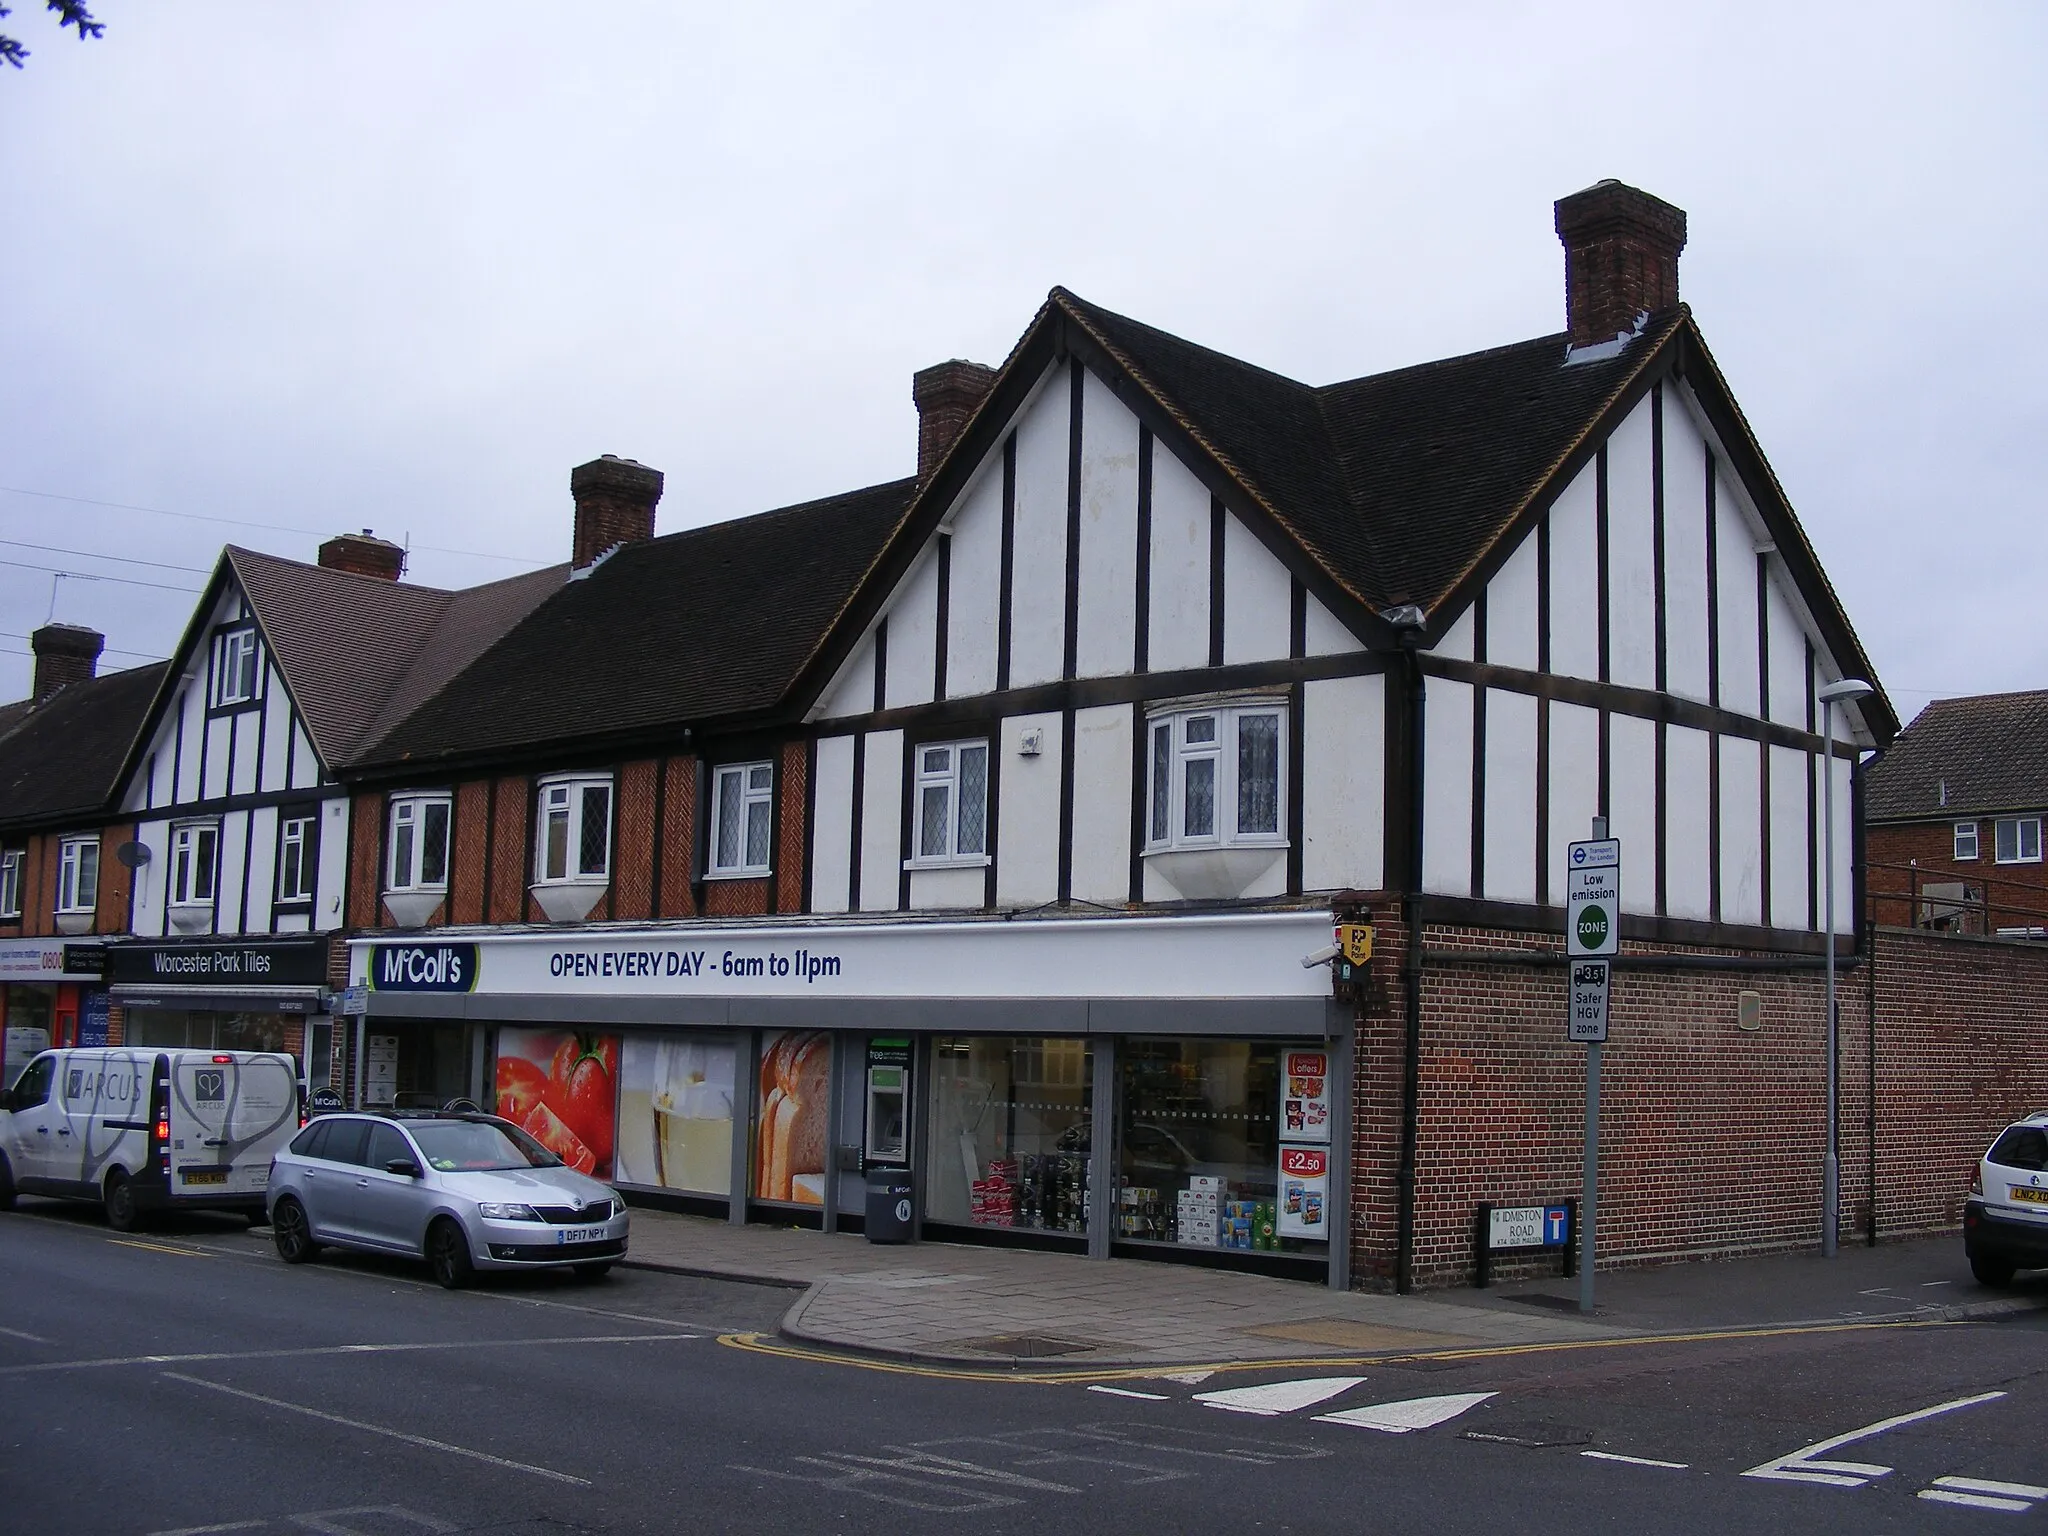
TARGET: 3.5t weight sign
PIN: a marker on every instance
(1592, 899)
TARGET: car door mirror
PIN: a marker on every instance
(403, 1165)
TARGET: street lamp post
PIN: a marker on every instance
(1831, 1162)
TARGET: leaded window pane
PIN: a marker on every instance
(1201, 728)
(973, 812)
(1162, 782)
(205, 848)
(1199, 817)
(760, 776)
(757, 834)
(434, 844)
(931, 840)
(1258, 773)
(730, 814)
(597, 816)
(937, 759)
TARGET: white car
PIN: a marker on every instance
(464, 1191)
(2005, 1220)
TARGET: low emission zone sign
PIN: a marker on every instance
(1592, 899)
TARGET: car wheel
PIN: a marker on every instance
(123, 1214)
(590, 1273)
(448, 1254)
(1996, 1273)
(293, 1233)
(6, 1185)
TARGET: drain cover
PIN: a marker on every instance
(1535, 1436)
(1028, 1346)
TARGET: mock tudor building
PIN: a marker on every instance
(984, 833)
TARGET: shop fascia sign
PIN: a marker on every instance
(31, 959)
(223, 962)
(1241, 955)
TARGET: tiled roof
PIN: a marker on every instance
(62, 760)
(1982, 754)
(705, 624)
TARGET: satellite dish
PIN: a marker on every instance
(132, 855)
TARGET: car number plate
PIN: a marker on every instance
(577, 1235)
(203, 1175)
(2030, 1195)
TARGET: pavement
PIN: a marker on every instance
(969, 1306)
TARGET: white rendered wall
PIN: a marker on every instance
(1179, 609)
(912, 657)
(1258, 595)
(947, 890)
(881, 830)
(1457, 641)
(1343, 772)
(832, 824)
(974, 584)
(1742, 838)
(1631, 558)
(1735, 596)
(1105, 615)
(1688, 869)
(1324, 635)
(1447, 788)
(333, 879)
(262, 869)
(220, 755)
(1102, 804)
(1845, 891)
(1028, 818)
(148, 902)
(277, 731)
(1789, 675)
(1574, 788)
(1038, 600)
(1632, 807)
(1511, 610)
(1575, 578)
(1510, 825)
(1685, 552)
(1789, 838)
(305, 761)
(233, 872)
(852, 692)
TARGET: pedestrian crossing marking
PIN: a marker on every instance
(1409, 1414)
(1278, 1397)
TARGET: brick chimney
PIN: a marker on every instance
(1621, 250)
(363, 554)
(65, 654)
(946, 395)
(615, 501)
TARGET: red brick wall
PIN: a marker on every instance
(512, 805)
(736, 898)
(1903, 858)
(116, 881)
(678, 838)
(633, 851)
(790, 787)
(365, 847)
(41, 918)
(465, 902)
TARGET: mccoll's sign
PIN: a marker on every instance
(423, 968)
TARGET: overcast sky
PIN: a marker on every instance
(400, 266)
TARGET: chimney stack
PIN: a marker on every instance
(363, 554)
(946, 394)
(1621, 250)
(615, 500)
(65, 654)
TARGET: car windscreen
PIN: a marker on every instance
(478, 1146)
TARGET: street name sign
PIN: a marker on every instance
(1588, 1022)
(1592, 899)
(1528, 1226)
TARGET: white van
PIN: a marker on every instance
(140, 1130)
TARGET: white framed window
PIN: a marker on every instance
(78, 874)
(419, 843)
(234, 667)
(951, 803)
(575, 831)
(296, 847)
(742, 819)
(2019, 840)
(1966, 840)
(10, 883)
(195, 860)
(1217, 777)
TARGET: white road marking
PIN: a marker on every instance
(1985, 1485)
(207, 1530)
(1150, 1397)
(1634, 1461)
(1188, 1378)
(1408, 1415)
(1278, 1397)
(1976, 1500)
(379, 1429)
(17, 1333)
(1805, 1466)
(206, 1357)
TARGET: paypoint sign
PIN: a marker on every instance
(1592, 899)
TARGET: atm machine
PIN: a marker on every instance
(885, 1141)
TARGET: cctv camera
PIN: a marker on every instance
(1320, 957)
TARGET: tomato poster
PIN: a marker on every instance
(561, 1086)
(796, 1086)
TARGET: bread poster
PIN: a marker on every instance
(796, 1084)
(561, 1086)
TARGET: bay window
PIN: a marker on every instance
(742, 817)
(1216, 777)
(574, 839)
(419, 843)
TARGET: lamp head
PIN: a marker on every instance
(1848, 688)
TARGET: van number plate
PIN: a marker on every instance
(577, 1235)
(2031, 1196)
(203, 1175)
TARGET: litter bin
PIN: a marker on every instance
(889, 1197)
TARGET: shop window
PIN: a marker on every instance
(235, 671)
(1011, 1128)
(951, 797)
(419, 843)
(10, 883)
(195, 860)
(1224, 1144)
(2019, 840)
(742, 818)
(1217, 777)
(297, 845)
(575, 830)
(1966, 840)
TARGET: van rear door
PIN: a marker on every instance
(230, 1110)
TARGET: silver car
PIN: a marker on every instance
(464, 1191)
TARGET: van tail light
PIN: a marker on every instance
(163, 1128)
(1976, 1178)
(223, 1061)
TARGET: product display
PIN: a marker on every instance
(1010, 1133)
(675, 1114)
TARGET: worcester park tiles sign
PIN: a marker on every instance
(1235, 955)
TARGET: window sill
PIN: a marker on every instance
(739, 874)
(412, 908)
(191, 917)
(970, 861)
(72, 924)
(1215, 873)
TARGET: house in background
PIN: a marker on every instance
(1955, 811)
